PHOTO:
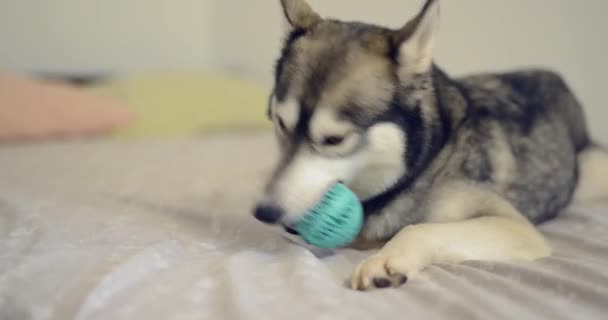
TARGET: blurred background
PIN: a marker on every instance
(192, 57)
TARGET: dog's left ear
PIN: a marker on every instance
(298, 15)
(416, 40)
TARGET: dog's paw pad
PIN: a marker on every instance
(382, 283)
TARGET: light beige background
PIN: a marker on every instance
(242, 36)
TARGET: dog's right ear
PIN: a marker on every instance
(298, 15)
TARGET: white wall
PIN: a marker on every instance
(105, 35)
(242, 35)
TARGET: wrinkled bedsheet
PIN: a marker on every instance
(162, 230)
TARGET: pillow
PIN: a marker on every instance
(32, 109)
(174, 104)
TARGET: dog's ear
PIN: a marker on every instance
(416, 40)
(298, 15)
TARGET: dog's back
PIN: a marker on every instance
(523, 131)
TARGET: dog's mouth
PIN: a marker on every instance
(291, 230)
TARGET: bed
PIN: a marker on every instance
(161, 229)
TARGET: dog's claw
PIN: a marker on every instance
(401, 279)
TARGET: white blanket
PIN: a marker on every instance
(162, 230)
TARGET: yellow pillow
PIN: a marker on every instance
(183, 104)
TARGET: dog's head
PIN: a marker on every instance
(349, 105)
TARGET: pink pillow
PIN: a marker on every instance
(32, 109)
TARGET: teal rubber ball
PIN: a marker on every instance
(335, 221)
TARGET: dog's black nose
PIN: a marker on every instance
(268, 214)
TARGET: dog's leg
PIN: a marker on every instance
(593, 175)
(492, 230)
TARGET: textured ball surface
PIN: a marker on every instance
(333, 222)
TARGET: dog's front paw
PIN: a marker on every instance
(383, 270)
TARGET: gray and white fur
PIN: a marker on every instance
(447, 169)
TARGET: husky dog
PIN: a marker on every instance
(447, 169)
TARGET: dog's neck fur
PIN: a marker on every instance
(445, 103)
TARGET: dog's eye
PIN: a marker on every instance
(333, 140)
